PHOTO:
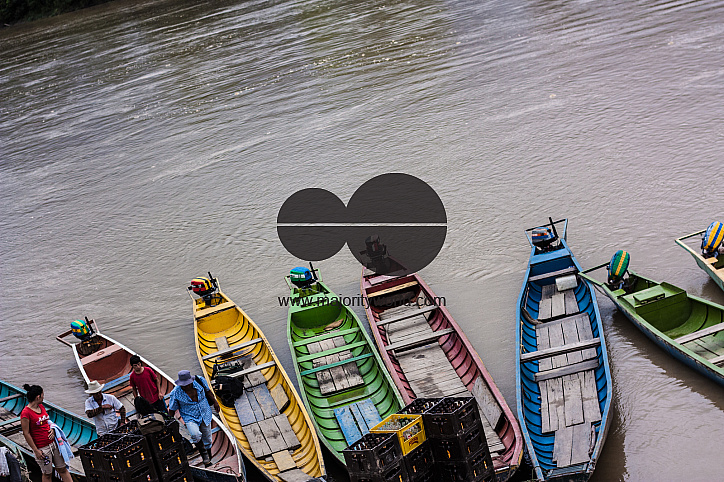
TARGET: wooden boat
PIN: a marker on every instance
(563, 379)
(269, 421)
(78, 430)
(18, 454)
(107, 361)
(689, 328)
(343, 381)
(410, 323)
(713, 266)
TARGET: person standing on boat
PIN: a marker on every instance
(145, 382)
(191, 398)
(101, 407)
(41, 439)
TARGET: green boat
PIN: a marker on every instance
(689, 328)
(78, 430)
(343, 381)
(712, 265)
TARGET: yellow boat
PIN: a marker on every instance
(283, 446)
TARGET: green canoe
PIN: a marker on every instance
(689, 328)
(713, 266)
(342, 379)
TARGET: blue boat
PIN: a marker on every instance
(563, 381)
(77, 429)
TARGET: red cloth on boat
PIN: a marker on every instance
(145, 383)
(39, 427)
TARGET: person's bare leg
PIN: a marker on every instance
(64, 475)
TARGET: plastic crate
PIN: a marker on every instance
(420, 406)
(476, 468)
(171, 461)
(373, 453)
(395, 473)
(93, 454)
(142, 472)
(95, 476)
(409, 429)
(452, 416)
(461, 446)
(166, 439)
(182, 474)
(427, 476)
(419, 461)
(126, 454)
(130, 428)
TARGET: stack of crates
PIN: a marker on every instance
(169, 455)
(419, 462)
(118, 458)
(376, 457)
(457, 438)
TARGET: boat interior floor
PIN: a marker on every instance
(569, 398)
(427, 369)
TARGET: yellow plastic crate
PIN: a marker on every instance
(409, 429)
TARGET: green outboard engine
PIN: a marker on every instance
(302, 277)
(617, 268)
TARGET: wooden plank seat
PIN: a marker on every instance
(717, 360)
(231, 349)
(10, 421)
(566, 370)
(338, 369)
(11, 397)
(214, 309)
(419, 341)
(116, 382)
(392, 289)
(253, 369)
(559, 350)
(554, 274)
(107, 351)
(331, 351)
(700, 334)
(405, 316)
(325, 336)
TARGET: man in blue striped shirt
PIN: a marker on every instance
(189, 397)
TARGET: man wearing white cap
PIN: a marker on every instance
(101, 407)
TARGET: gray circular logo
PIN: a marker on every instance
(394, 224)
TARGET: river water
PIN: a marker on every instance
(145, 143)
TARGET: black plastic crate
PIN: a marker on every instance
(126, 454)
(420, 406)
(182, 474)
(394, 473)
(476, 468)
(142, 472)
(426, 476)
(171, 461)
(419, 461)
(95, 475)
(451, 416)
(373, 454)
(461, 446)
(163, 440)
(130, 428)
(93, 454)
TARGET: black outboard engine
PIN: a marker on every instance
(543, 238)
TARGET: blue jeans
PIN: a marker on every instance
(199, 432)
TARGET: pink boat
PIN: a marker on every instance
(429, 356)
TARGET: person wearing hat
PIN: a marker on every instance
(101, 407)
(191, 398)
(145, 382)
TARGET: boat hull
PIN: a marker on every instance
(306, 321)
(714, 269)
(543, 269)
(226, 319)
(458, 350)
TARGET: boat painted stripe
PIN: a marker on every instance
(117, 381)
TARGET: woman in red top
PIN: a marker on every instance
(145, 381)
(40, 437)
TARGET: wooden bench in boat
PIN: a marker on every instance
(554, 274)
(411, 314)
(700, 334)
(107, 351)
(569, 398)
(228, 350)
(419, 341)
(227, 305)
(11, 397)
(392, 289)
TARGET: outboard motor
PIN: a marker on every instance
(543, 238)
(301, 277)
(81, 329)
(617, 268)
(712, 239)
(204, 288)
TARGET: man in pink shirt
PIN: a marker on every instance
(145, 382)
